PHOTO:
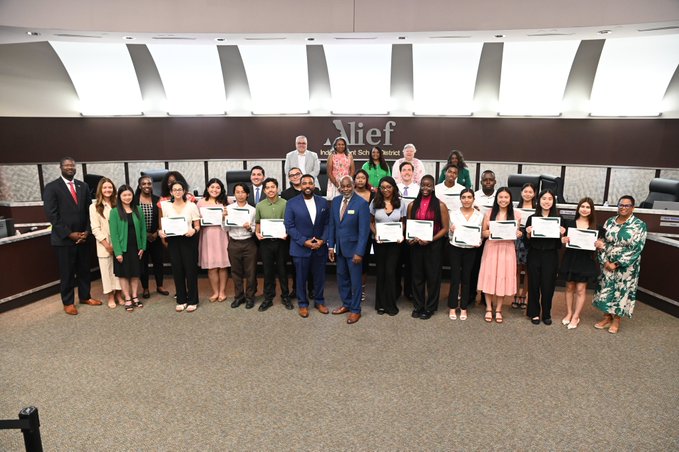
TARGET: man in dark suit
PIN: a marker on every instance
(349, 230)
(257, 175)
(67, 203)
(306, 222)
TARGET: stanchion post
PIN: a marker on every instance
(32, 439)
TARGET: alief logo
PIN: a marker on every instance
(361, 139)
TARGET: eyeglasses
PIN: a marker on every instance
(386, 187)
(294, 175)
(625, 206)
(177, 190)
(301, 142)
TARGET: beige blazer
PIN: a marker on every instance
(100, 228)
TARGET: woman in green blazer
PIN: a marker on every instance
(463, 178)
(128, 237)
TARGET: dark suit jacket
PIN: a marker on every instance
(65, 215)
(352, 233)
(300, 228)
(251, 196)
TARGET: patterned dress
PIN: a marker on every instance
(616, 290)
(341, 164)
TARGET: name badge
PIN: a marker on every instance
(351, 212)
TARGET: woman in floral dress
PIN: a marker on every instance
(620, 258)
(340, 164)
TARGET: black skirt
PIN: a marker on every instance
(130, 267)
(579, 266)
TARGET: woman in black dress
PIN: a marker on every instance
(578, 267)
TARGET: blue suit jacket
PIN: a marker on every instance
(300, 228)
(351, 234)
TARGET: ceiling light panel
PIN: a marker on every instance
(360, 78)
(534, 76)
(278, 78)
(103, 76)
(633, 75)
(192, 78)
(444, 77)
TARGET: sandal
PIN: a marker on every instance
(489, 316)
(498, 317)
(452, 315)
(129, 307)
(137, 303)
(522, 302)
(463, 314)
(112, 304)
(515, 303)
(604, 323)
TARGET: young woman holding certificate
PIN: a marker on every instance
(386, 210)
(543, 231)
(578, 265)
(527, 203)
(180, 225)
(466, 225)
(213, 243)
(425, 255)
(497, 277)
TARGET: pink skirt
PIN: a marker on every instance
(212, 248)
(498, 268)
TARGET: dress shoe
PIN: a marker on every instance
(163, 292)
(304, 312)
(547, 321)
(353, 318)
(381, 311)
(91, 302)
(249, 304)
(340, 310)
(323, 309)
(146, 294)
(416, 313)
(293, 294)
(287, 303)
(237, 302)
(266, 304)
(70, 309)
(535, 321)
(426, 315)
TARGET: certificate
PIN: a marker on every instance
(582, 239)
(420, 229)
(390, 232)
(237, 216)
(467, 235)
(546, 228)
(174, 226)
(524, 215)
(503, 230)
(211, 216)
(273, 229)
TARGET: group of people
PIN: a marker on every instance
(130, 226)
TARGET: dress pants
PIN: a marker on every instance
(184, 259)
(316, 265)
(243, 258)
(349, 282)
(542, 266)
(273, 252)
(74, 261)
(154, 253)
(461, 267)
(474, 281)
(404, 271)
(425, 264)
(386, 262)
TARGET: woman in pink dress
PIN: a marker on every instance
(212, 248)
(340, 164)
(497, 277)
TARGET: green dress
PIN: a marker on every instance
(616, 290)
(375, 173)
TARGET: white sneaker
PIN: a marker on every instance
(180, 307)
(192, 307)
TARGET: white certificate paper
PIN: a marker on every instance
(503, 230)
(174, 226)
(582, 239)
(390, 232)
(524, 215)
(420, 229)
(211, 216)
(237, 216)
(546, 228)
(273, 229)
(467, 235)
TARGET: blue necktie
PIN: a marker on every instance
(256, 195)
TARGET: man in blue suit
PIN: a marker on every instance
(306, 221)
(349, 231)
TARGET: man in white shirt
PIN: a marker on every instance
(307, 161)
(407, 187)
(449, 190)
(484, 198)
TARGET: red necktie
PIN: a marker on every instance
(73, 193)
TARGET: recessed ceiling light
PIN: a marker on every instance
(128, 38)
(499, 36)
(604, 32)
(220, 39)
(401, 37)
(32, 33)
(310, 39)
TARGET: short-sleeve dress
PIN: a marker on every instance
(340, 168)
(498, 266)
(213, 245)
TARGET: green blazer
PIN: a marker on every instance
(118, 228)
(463, 178)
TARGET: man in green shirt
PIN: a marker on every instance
(272, 245)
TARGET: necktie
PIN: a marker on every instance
(405, 191)
(256, 195)
(71, 185)
(345, 204)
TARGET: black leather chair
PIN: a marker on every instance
(555, 183)
(235, 176)
(92, 180)
(322, 181)
(516, 181)
(661, 190)
(157, 178)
